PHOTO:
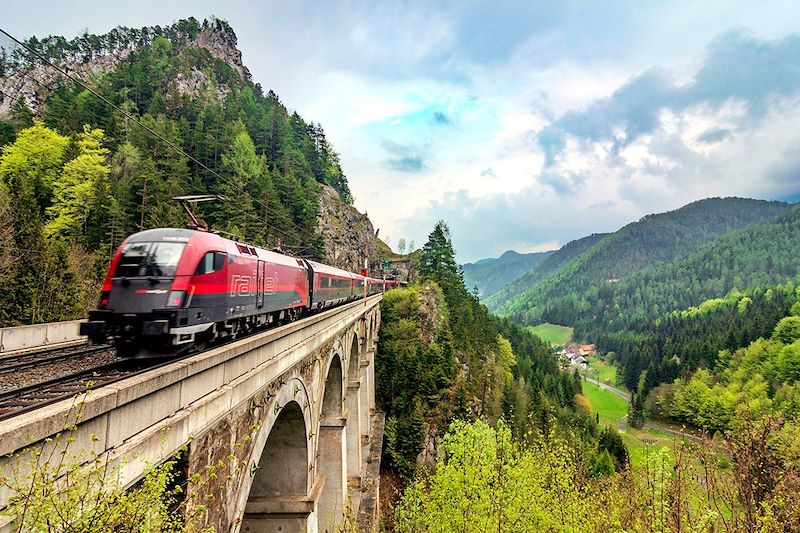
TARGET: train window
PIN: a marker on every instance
(210, 262)
(149, 259)
(219, 260)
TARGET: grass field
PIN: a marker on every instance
(612, 409)
(605, 372)
(552, 333)
(608, 405)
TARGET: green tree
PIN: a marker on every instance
(438, 260)
(244, 171)
(80, 209)
(603, 465)
(788, 330)
(29, 167)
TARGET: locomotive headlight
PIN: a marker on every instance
(175, 298)
(104, 299)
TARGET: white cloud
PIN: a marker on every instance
(371, 72)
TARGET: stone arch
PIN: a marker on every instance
(332, 447)
(279, 465)
(356, 390)
(283, 468)
(333, 393)
(353, 358)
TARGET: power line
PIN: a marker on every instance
(80, 82)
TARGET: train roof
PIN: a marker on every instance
(213, 241)
(163, 234)
(327, 269)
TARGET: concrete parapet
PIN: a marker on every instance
(36, 335)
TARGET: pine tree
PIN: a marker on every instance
(438, 259)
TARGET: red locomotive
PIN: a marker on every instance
(169, 290)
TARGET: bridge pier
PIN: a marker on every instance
(354, 460)
(371, 380)
(363, 400)
(333, 466)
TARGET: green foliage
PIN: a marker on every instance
(610, 441)
(485, 481)
(31, 165)
(747, 384)
(80, 209)
(55, 486)
(414, 367)
(636, 413)
(603, 465)
(41, 283)
(788, 330)
(438, 260)
(87, 176)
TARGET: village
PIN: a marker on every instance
(576, 355)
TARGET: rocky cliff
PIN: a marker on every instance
(192, 73)
(26, 79)
(347, 233)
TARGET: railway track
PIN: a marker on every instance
(22, 399)
(27, 398)
(29, 359)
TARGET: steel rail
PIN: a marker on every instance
(20, 361)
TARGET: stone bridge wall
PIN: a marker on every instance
(277, 425)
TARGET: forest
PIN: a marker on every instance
(78, 174)
(518, 448)
(443, 357)
(630, 315)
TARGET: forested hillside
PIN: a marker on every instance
(78, 174)
(551, 264)
(519, 455)
(491, 275)
(442, 356)
(751, 260)
(634, 318)
(653, 239)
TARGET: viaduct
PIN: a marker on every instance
(285, 419)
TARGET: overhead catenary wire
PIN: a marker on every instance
(129, 116)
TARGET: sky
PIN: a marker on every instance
(523, 125)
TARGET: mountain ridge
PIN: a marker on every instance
(491, 274)
(652, 239)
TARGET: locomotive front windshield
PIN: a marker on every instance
(149, 259)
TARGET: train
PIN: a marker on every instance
(169, 290)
